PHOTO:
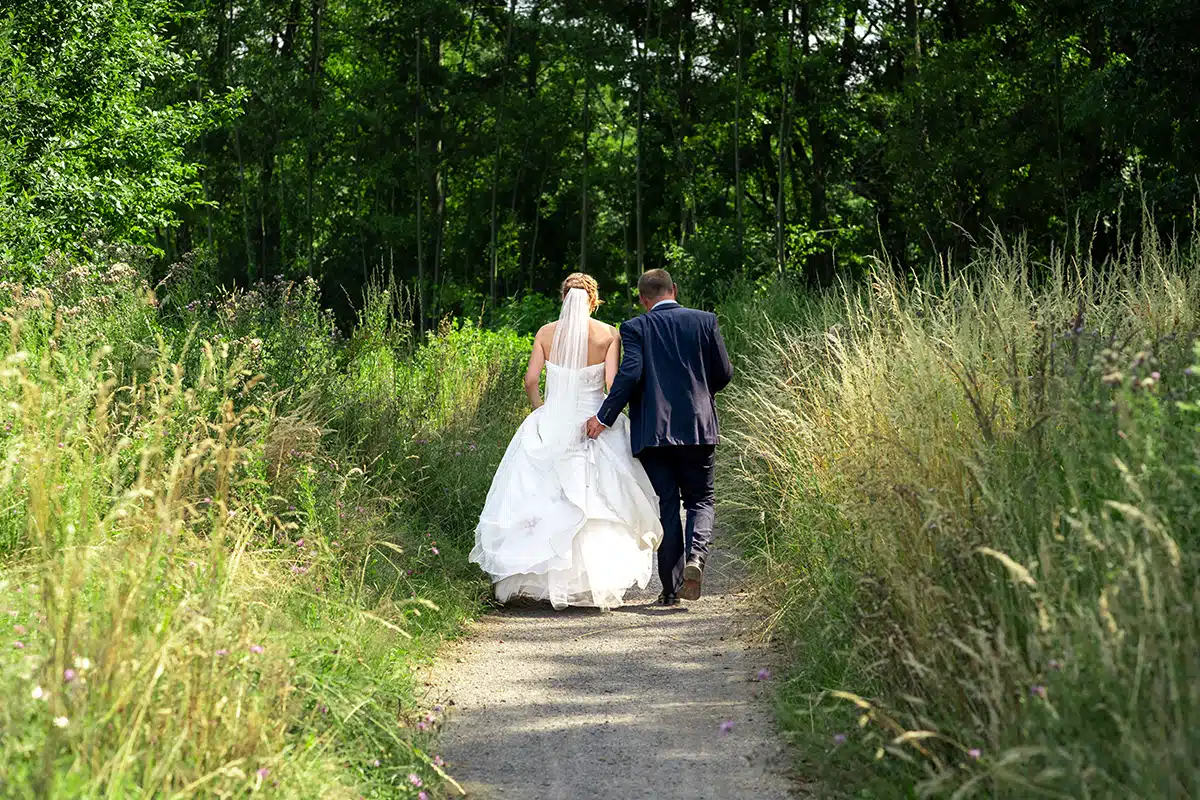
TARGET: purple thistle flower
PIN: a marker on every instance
(437, 709)
(68, 675)
(839, 738)
(764, 674)
(726, 727)
(1038, 690)
(974, 753)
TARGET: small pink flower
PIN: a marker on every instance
(421, 726)
(764, 674)
(263, 772)
(438, 761)
(376, 762)
(974, 753)
(68, 675)
(839, 738)
(19, 645)
(222, 652)
(415, 779)
(726, 727)
(1038, 690)
(257, 649)
(299, 543)
(435, 551)
(422, 796)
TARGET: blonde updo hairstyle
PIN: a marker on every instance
(580, 280)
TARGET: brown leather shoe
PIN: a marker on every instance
(693, 577)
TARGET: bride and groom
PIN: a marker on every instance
(584, 495)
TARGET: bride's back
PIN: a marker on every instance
(600, 338)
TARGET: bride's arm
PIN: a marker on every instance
(612, 361)
(533, 373)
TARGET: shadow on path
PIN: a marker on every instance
(624, 704)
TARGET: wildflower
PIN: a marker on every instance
(437, 709)
(60, 445)
(61, 722)
(324, 709)
(69, 675)
(974, 753)
(38, 693)
(472, 447)
(192, 565)
(764, 674)
(726, 727)
(206, 501)
(377, 762)
(421, 725)
(1155, 375)
(263, 772)
(1038, 690)
(222, 652)
(19, 645)
(435, 551)
(414, 779)
(82, 663)
(422, 796)
(300, 543)
(839, 738)
(438, 761)
(257, 649)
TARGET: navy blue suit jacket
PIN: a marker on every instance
(673, 365)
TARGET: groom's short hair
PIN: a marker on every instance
(655, 283)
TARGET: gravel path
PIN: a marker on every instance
(626, 704)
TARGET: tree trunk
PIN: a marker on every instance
(737, 140)
(784, 137)
(641, 235)
(495, 255)
(587, 129)
(317, 10)
(420, 184)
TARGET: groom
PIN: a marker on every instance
(674, 363)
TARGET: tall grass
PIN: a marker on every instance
(222, 553)
(975, 503)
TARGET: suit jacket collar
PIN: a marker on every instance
(663, 305)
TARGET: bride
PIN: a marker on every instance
(568, 519)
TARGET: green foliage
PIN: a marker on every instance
(86, 142)
(973, 501)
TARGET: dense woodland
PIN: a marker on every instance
(477, 149)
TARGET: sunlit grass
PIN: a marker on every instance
(221, 567)
(972, 500)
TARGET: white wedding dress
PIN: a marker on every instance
(569, 519)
